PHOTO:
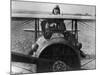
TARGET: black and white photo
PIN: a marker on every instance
(52, 37)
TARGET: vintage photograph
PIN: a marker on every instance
(52, 37)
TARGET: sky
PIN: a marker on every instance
(47, 7)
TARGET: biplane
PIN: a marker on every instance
(58, 53)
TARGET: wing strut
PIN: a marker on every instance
(36, 28)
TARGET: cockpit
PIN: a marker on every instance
(51, 26)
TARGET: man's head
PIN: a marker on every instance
(56, 10)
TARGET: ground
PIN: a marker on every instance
(18, 67)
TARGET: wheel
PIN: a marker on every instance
(60, 66)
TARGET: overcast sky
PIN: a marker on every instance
(47, 7)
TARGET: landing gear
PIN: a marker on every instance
(60, 66)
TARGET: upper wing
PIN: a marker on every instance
(79, 17)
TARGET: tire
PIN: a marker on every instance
(50, 65)
(60, 65)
